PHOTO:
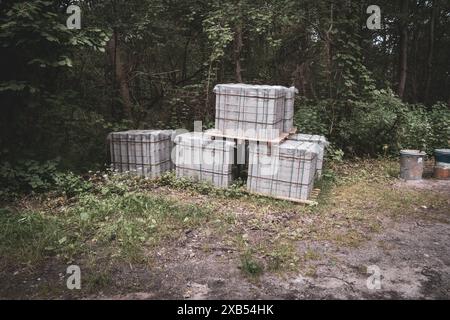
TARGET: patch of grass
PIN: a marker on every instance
(250, 265)
(351, 238)
(28, 236)
(230, 218)
(375, 227)
(282, 257)
(119, 225)
(360, 195)
(311, 271)
(326, 185)
(236, 191)
(400, 201)
(132, 221)
(169, 179)
(353, 202)
(364, 170)
(273, 204)
(386, 246)
(311, 255)
(97, 281)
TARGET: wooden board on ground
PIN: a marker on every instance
(312, 201)
(218, 134)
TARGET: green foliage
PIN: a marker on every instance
(219, 32)
(379, 126)
(250, 266)
(40, 116)
(36, 30)
(416, 130)
(371, 125)
(439, 118)
(121, 223)
(61, 91)
(26, 176)
(28, 236)
(30, 176)
(236, 190)
(310, 116)
(352, 81)
(334, 153)
(70, 184)
(425, 129)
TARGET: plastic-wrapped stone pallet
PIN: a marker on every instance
(252, 111)
(287, 171)
(143, 152)
(200, 158)
(320, 140)
(288, 119)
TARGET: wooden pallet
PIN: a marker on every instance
(311, 202)
(218, 134)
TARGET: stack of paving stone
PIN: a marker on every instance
(199, 157)
(285, 171)
(322, 143)
(288, 120)
(253, 111)
(143, 152)
(280, 164)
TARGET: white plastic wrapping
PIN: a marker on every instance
(142, 152)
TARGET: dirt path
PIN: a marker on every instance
(413, 258)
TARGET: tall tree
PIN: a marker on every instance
(429, 67)
(120, 71)
(403, 58)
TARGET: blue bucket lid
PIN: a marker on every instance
(442, 151)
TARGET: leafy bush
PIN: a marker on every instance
(31, 176)
(169, 179)
(379, 126)
(425, 129)
(71, 184)
(439, 117)
(310, 117)
(371, 125)
(251, 266)
(334, 153)
(26, 176)
(416, 130)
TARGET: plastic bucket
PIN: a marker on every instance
(442, 156)
(442, 166)
(411, 164)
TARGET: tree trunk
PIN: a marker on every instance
(185, 58)
(429, 71)
(329, 53)
(414, 73)
(403, 63)
(238, 44)
(300, 78)
(120, 74)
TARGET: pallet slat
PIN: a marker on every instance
(307, 202)
(218, 134)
